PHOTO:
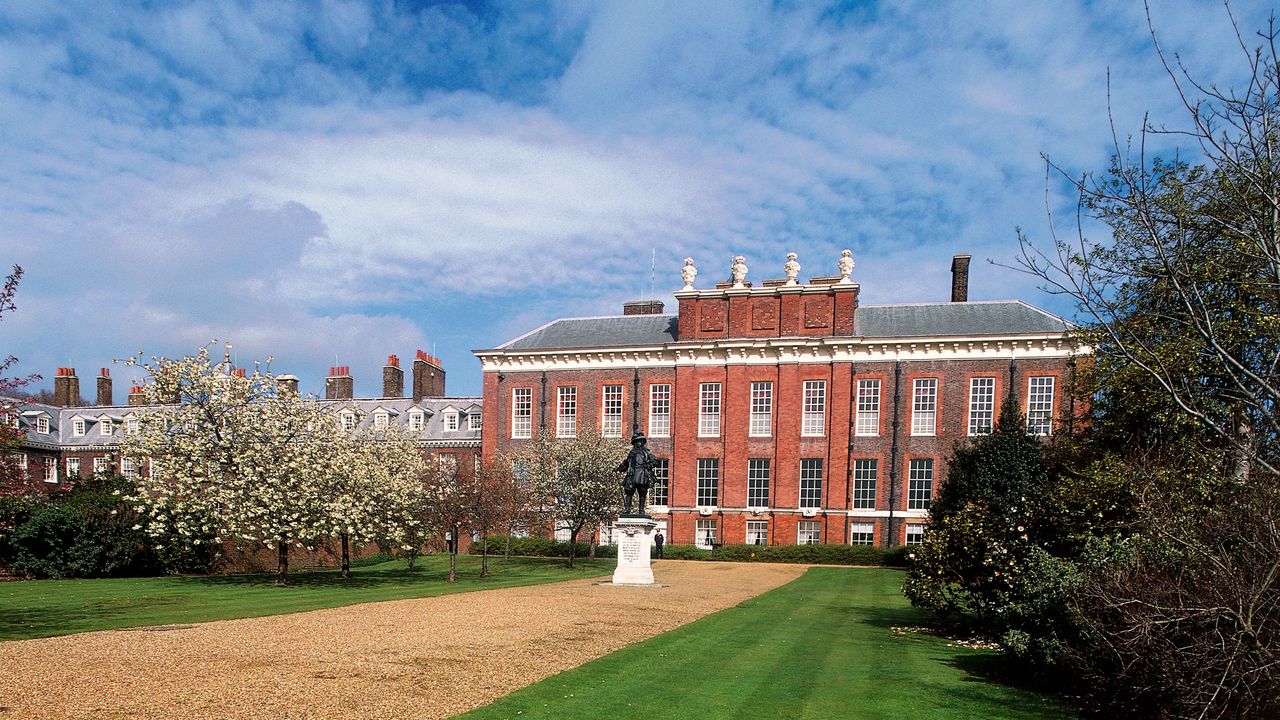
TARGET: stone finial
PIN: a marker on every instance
(739, 271)
(688, 273)
(791, 268)
(845, 263)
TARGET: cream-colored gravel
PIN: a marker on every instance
(427, 658)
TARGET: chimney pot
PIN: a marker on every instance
(642, 307)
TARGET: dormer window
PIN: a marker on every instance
(417, 421)
(77, 427)
(451, 420)
(131, 426)
(348, 421)
(474, 421)
(106, 427)
(380, 421)
(42, 424)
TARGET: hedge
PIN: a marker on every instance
(815, 554)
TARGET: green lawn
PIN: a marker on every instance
(40, 608)
(819, 647)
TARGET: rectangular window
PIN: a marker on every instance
(606, 534)
(348, 421)
(521, 413)
(814, 421)
(100, 465)
(757, 532)
(758, 482)
(475, 421)
(761, 409)
(865, 474)
(77, 427)
(520, 473)
(811, 483)
(982, 405)
(924, 406)
(1040, 405)
(416, 421)
(660, 410)
(380, 421)
(706, 534)
(73, 467)
(611, 411)
(50, 470)
(131, 426)
(567, 412)
(862, 534)
(920, 484)
(106, 427)
(915, 533)
(451, 421)
(21, 460)
(42, 425)
(708, 482)
(809, 532)
(128, 468)
(868, 422)
(563, 532)
(709, 410)
(658, 494)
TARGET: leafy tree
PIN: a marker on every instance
(575, 481)
(450, 507)
(14, 481)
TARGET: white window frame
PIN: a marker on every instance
(131, 426)
(73, 467)
(475, 421)
(451, 421)
(661, 483)
(920, 480)
(868, 420)
(759, 472)
(448, 462)
(866, 477)
(704, 528)
(348, 420)
(813, 421)
(924, 406)
(757, 532)
(612, 402)
(567, 411)
(128, 467)
(521, 413)
(417, 421)
(808, 532)
(381, 420)
(982, 405)
(862, 533)
(708, 470)
(42, 426)
(810, 494)
(51, 469)
(78, 427)
(1040, 405)
(21, 460)
(660, 410)
(915, 533)
(106, 427)
(761, 424)
(709, 399)
(101, 465)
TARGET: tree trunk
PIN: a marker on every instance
(506, 551)
(484, 556)
(346, 555)
(282, 563)
(453, 562)
(573, 545)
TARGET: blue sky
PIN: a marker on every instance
(329, 183)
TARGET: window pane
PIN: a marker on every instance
(708, 481)
(1040, 405)
(865, 475)
(611, 411)
(706, 534)
(862, 534)
(758, 482)
(810, 532)
(868, 422)
(659, 410)
(567, 412)
(915, 533)
(709, 410)
(522, 412)
(982, 405)
(757, 532)
(761, 409)
(661, 483)
(924, 406)
(815, 408)
(920, 485)
(811, 483)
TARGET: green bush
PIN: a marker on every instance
(815, 554)
(540, 547)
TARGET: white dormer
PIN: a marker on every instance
(40, 419)
(131, 424)
(106, 425)
(79, 424)
(475, 416)
(348, 420)
(450, 416)
(417, 420)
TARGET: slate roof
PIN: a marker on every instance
(1003, 317)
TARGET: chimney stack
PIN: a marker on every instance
(392, 378)
(288, 384)
(66, 388)
(136, 396)
(104, 387)
(428, 376)
(960, 278)
(642, 307)
(339, 385)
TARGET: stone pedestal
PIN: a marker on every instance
(634, 535)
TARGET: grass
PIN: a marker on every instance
(819, 647)
(42, 608)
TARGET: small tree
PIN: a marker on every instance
(14, 481)
(577, 480)
(450, 507)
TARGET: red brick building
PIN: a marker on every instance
(787, 412)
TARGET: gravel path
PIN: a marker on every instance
(427, 658)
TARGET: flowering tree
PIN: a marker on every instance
(450, 506)
(232, 454)
(502, 501)
(13, 479)
(374, 485)
(577, 479)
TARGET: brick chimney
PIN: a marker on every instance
(238, 372)
(428, 376)
(339, 385)
(392, 378)
(288, 384)
(136, 396)
(66, 388)
(104, 387)
(642, 307)
(960, 278)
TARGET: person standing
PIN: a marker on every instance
(657, 543)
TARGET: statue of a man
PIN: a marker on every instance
(639, 473)
(688, 273)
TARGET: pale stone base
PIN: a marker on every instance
(634, 538)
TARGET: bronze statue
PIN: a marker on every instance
(639, 474)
